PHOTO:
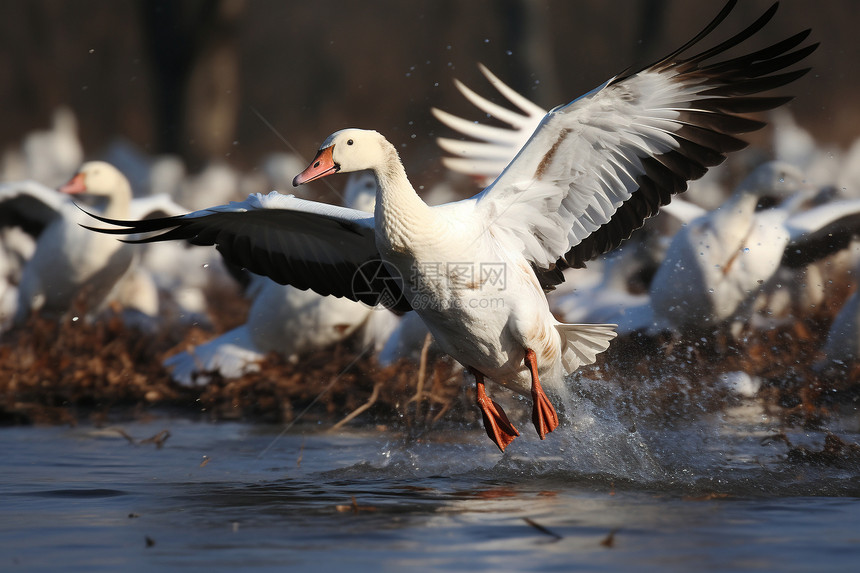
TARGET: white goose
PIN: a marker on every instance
(475, 270)
(720, 259)
(69, 263)
(717, 265)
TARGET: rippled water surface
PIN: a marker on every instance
(229, 497)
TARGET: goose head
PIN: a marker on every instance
(773, 182)
(103, 185)
(346, 151)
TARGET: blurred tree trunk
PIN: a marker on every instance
(194, 50)
(527, 28)
(651, 21)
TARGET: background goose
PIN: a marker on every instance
(70, 264)
(49, 156)
(476, 270)
(717, 265)
(720, 259)
(842, 346)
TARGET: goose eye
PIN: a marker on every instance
(349, 142)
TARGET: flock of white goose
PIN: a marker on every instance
(499, 279)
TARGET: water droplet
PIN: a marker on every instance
(746, 249)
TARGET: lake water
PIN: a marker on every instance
(707, 495)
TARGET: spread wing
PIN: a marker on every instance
(821, 231)
(29, 205)
(485, 158)
(596, 168)
(309, 245)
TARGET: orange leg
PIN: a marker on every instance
(496, 422)
(543, 414)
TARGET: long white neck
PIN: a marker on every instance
(119, 205)
(112, 196)
(739, 207)
(400, 213)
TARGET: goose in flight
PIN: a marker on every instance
(476, 270)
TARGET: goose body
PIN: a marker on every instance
(476, 270)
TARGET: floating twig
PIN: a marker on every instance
(609, 540)
(301, 452)
(354, 507)
(158, 439)
(541, 528)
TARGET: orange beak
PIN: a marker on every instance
(76, 185)
(322, 165)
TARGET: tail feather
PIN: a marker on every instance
(583, 342)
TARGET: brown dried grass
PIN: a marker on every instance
(64, 371)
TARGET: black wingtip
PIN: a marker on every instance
(106, 231)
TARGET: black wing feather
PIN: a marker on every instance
(327, 255)
(730, 87)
